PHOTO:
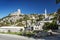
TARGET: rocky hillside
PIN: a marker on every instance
(19, 20)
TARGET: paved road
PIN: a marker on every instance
(16, 37)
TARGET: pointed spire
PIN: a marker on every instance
(45, 13)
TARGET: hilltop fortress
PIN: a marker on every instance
(30, 21)
(18, 12)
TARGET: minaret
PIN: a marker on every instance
(45, 13)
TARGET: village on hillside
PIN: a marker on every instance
(17, 21)
(29, 19)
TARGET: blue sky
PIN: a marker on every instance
(27, 6)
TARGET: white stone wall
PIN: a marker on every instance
(12, 29)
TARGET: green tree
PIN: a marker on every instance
(20, 24)
(58, 14)
(46, 26)
(20, 20)
(57, 1)
(40, 17)
(51, 26)
(25, 19)
(55, 17)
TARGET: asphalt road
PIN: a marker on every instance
(16, 37)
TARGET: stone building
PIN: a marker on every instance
(58, 18)
(39, 25)
(18, 12)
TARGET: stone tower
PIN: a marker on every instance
(18, 12)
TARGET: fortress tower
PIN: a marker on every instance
(18, 11)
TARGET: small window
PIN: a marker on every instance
(36, 28)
